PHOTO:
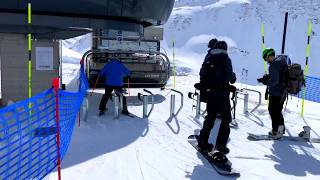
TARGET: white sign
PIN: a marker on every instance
(44, 58)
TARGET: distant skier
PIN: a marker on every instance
(216, 74)
(276, 82)
(114, 72)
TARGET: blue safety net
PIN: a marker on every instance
(312, 92)
(28, 144)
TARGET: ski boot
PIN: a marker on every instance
(305, 133)
(101, 113)
(277, 134)
(223, 150)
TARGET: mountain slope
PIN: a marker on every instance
(193, 23)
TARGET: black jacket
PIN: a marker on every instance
(216, 72)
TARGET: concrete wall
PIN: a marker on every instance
(14, 67)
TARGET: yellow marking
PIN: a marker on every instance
(29, 13)
(309, 28)
(29, 42)
(308, 50)
(262, 29)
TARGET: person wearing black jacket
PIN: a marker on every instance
(276, 82)
(216, 74)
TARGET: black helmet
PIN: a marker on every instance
(212, 42)
(221, 45)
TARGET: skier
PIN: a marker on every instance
(216, 75)
(276, 82)
(114, 72)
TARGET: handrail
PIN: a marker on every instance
(152, 101)
(144, 100)
(259, 93)
(181, 104)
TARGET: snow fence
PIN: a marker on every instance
(28, 132)
(312, 92)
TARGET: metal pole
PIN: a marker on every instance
(284, 33)
(145, 106)
(121, 102)
(172, 104)
(55, 84)
(198, 105)
(245, 103)
(116, 106)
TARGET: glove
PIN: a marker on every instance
(264, 80)
(232, 88)
(233, 80)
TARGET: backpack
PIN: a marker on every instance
(295, 78)
(211, 78)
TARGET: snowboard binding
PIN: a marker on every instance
(305, 133)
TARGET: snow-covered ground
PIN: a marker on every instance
(156, 148)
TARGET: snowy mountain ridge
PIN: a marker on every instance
(194, 22)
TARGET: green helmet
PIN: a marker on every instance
(268, 52)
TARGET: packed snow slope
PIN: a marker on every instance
(194, 22)
(156, 148)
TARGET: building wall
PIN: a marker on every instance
(14, 67)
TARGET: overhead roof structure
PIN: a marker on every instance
(61, 19)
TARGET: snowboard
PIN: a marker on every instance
(260, 137)
(223, 169)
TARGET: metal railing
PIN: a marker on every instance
(145, 100)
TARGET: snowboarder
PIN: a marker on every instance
(276, 82)
(216, 74)
(203, 93)
(113, 72)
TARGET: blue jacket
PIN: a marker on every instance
(114, 72)
(277, 82)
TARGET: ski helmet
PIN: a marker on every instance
(212, 42)
(268, 52)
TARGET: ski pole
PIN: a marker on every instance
(95, 84)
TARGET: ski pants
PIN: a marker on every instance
(107, 95)
(275, 110)
(217, 105)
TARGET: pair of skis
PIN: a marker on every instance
(304, 136)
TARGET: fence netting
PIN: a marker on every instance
(28, 147)
(312, 91)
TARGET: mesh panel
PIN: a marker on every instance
(28, 148)
(312, 89)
